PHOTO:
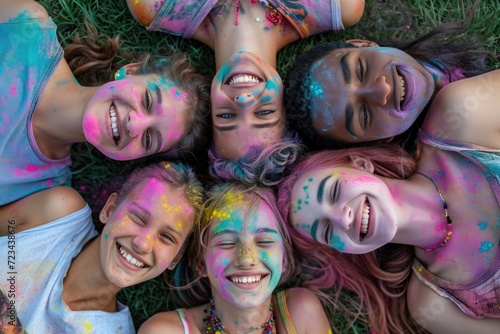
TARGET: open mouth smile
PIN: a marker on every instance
(114, 123)
(129, 258)
(405, 88)
(243, 80)
(245, 279)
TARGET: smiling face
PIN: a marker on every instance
(247, 105)
(244, 257)
(134, 117)
(144, 232)
(368, 93)
(344, 207)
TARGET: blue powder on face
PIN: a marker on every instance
(265, 99)
(337, 243)
(485, 246)
(315, 90)
(482, 225)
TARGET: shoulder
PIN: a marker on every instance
(42, 207)
(467, 110)
(162, 323)
(10, 9)
(352, 11)
(306, 311)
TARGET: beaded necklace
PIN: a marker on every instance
(273, 15)
(449, 221)
(215, 326)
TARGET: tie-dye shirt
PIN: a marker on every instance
(480, 297)
(42, 258)
(29, 52)
(183, 17)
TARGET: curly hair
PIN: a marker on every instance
(195, 290)
(264, 167)
(379, 278)
(452, 57)
(91, 60)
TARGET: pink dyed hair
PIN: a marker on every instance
(379, 278)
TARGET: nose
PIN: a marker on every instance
(137, 123)
(244, 100)
(247, 255)
(341, 216)
(377, 91)
(143, 242)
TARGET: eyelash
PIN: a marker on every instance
(327, 233)
(265, 112)
(361, 70)
(226, 115)
(139, 217)
(148, 140)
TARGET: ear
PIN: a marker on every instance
(362, 43)
(362, 163)
(132, 68)
(108, 208)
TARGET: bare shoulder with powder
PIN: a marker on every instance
(11, 9)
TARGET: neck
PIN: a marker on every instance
(419, 210)
(85, 286)
(254, 32)
(237, 321)
(441, 77)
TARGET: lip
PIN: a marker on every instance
(125, 263)
(247, 286)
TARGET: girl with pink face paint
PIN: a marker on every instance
(439, 214)
(155, 106)
(247, 111)
(241, 253)
(66, 276)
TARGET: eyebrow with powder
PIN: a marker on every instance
(255, 126)
(321, 189)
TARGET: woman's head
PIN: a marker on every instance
(337, 197)
(348, 94)
(161, 105)
(147, 222)
(244, 247)
(247, 106)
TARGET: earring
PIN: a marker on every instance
(104, 217)
(172, 265)
(121, 73)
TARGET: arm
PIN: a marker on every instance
(468, 110)
(161, 323)
(440, 315)
(39, 208)
(10, 9)
(306, 311)
(352, 11)
(144, 11)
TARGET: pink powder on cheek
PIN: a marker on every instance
(14, 90)
(90, 127)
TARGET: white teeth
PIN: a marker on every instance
(114, 124)
(245, 279)
(402, 83)
(243, 78)
(365, 218)
(130, 259)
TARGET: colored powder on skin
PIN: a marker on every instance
(106, 235)
(337, 243)
(265, 99)
(315, 90)
(14, 90)
(31, 168)
(223, 72)
(272, 84)
(482, 225)
(485, 246)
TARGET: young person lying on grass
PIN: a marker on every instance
(241, 253)
(342, 94)
(157, 105)
(251, 142)
(67, 276)
(428, 229)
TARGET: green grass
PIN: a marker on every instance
(383, 21)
